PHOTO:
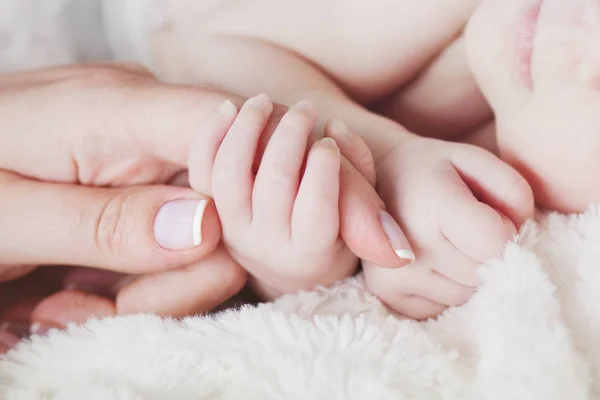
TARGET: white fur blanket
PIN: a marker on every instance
(528, 333)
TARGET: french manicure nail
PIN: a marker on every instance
(396, 236)
(178, 224)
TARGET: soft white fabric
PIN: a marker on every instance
(529, 333)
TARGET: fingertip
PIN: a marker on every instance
(407, 305)
(210, 230)
(474, 228)
(69, 306)
(196, 288)
(306, 108)
(353, 147)
(329, 144)
(523, 201)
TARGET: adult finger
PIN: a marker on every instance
(368, 230)
(7, 340)
(132, 230)
(85, 117)
(353, 147)
(198, 288)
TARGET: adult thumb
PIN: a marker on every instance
(133, 230)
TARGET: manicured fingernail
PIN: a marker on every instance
(338, 128)
(329, 144)
(227, 108)
(178, 224)
(396, 236)
(261, 101)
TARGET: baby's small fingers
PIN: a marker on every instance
(455, 265)
(417, 279)
(315, 218)
(474, 228)
(205, 145)
(496, 183)
(354, 148)
(277, 179)
(232, 177)
(417, 307)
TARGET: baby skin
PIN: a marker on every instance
(538, 63)
(457, 203)
(282, 204)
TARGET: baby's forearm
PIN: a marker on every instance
(248, 67)
(380, 133)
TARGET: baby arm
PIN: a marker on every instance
(457, 203)
(339, 54)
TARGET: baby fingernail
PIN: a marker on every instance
(329, 144)
(261, 101)
(178, 224)
(339, 128)
(227, 108)
(306, 107)
(396, 236)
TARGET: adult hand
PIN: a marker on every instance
(68, 198)
(86, 154)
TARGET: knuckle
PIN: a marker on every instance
(111, 228)
(281, 174)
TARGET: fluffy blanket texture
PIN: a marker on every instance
(529, 333)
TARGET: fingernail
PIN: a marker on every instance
(396, 236)
(306, 107)
(260, 101)
(329, 143)
(178, 224)
(227, 108)
(337, 127)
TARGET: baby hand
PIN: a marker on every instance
(458, 205)
(281, 223)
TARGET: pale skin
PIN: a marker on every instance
(457, 203)
(93, 173)
(538, 64)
